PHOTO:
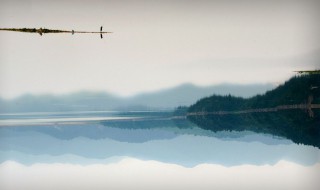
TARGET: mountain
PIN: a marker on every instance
(261, 114)
(186, 94)
(183, 95)
(298, 90)
(80, 101)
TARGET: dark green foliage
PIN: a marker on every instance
(149, 120)
(294, 124)
(180, 111)
(313, 72)
(294, 91)
(44, 30)
(34, 30)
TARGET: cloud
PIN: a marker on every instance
(131, 173)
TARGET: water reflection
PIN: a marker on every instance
(148, 137)
(295, 125)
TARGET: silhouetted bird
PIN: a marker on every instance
(101, 32)
(40, 31)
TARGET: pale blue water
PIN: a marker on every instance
(103, 137)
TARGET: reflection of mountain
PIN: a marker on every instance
(92, 101)
(260, 113)
(149, 135)
(138, 128)
(94, 132)
(133, 131)
(294, 125)
(172, 145)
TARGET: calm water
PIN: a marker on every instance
(91, 138)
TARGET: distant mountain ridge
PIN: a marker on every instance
(183, 95)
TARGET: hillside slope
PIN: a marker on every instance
(295, 91)
(223, 113)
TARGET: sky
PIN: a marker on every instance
(154, 44)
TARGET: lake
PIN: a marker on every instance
(134, 150)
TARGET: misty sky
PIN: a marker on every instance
(155, 44)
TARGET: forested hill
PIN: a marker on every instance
(301, 89)
(290, 110)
